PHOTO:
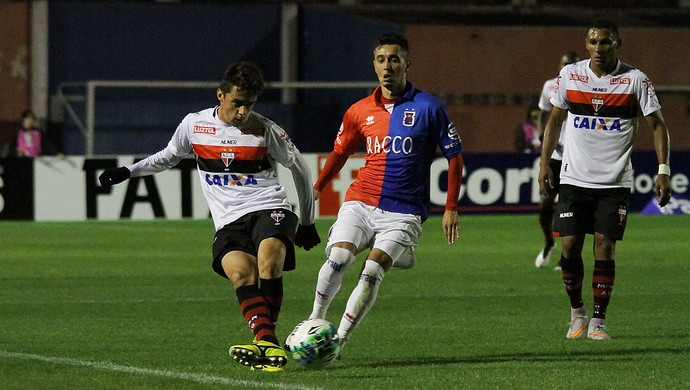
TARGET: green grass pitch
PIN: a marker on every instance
(135, 304)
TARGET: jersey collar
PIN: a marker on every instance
(407, 94)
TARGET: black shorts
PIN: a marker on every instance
(590, 210)
(246, 233)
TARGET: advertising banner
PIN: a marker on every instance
(508, 183)
(63, 189)
(16, 188)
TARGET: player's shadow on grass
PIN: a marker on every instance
(598, 356)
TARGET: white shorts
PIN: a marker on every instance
(366, 226)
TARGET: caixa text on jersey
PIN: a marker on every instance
(230, 180)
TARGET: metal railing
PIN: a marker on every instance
(88, 127)
(88, 130)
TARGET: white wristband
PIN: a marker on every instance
(664, 169)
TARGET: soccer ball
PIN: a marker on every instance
(313, 343)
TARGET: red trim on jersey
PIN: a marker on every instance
(455, 165)
(613, 99)
(385, 100)
(212, 152)
(334, 163)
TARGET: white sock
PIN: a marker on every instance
(330, 279)
(362, 298)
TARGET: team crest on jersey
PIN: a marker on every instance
(597, 103)
(622, 213)
(408, 118)
(277, 216)
(227, 157)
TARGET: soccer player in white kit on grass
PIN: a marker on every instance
(599, 98)
(236, 151)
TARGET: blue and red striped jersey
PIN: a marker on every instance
(401, 140)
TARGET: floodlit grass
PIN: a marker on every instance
(134, 304)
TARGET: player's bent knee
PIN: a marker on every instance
(340, 258)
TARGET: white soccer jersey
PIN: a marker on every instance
(547, 93)
(236, 167)
(601, 123)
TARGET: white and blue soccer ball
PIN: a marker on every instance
(314, 343)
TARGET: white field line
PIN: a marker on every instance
(199, 378)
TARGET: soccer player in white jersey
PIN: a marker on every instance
(236, 152)
(599, 98)
(547, 204)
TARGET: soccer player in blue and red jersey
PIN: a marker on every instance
(401, 129)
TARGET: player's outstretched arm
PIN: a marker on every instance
(113, 176)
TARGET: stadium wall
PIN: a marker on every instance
(196, 42)
(487, 75)
(14, 75)
(66, 189)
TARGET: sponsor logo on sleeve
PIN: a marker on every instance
(340, 132)
(649, 87)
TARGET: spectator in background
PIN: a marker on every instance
(547, 205)
(29, 136)
(527, 132)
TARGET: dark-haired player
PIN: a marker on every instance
(599, 98)
(236, 151)
(401, 128)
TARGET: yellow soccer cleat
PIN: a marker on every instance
(246, 355)
(261, 355)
